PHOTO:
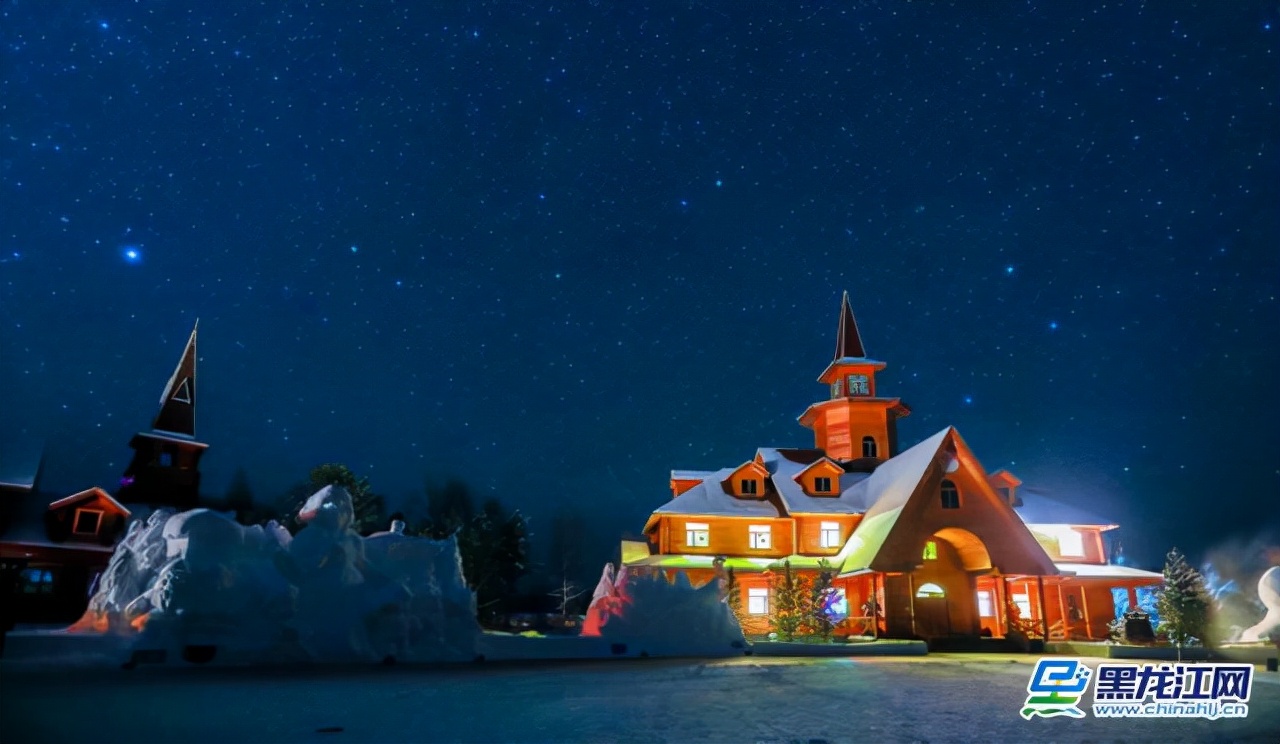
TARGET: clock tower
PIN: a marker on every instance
(854, 424)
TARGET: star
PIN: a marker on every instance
(132, 254)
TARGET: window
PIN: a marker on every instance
(757, 601)
(830, 534)
(836, 390)
(749, 486)
(930, 590)
(760, 536)
(87, 522)
(1070, 543)
(950, 495)
(931, 551)
(985, 608)
(868, 446)
(858, 385)
(166, 460)
(35, 581)
(1006, 493)
(822, 484)
(1023, 603)
(697, 535)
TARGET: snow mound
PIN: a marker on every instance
(258, 594)
(1269, 593)
(663, 618)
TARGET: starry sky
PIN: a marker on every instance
(559, 248)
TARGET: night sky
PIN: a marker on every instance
(558, 249)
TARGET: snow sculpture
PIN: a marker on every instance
(1269, 593)
(259, 594)
(661, 617)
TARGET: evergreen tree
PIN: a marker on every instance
(1183, 603)
(449, 508)
(790, 598)
(495, 554)
(820, 595)
(733, 597)
(370, 508)
(239, 497)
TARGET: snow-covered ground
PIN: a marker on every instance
(938, 698)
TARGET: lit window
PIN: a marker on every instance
(822, 484)
(759, 536)
(87, 522)
(950, 495)
(868, 446)
(836, 390)
(930, 590)
(1023, 603)
(830, 534)
(858, 385)
(166, 460)
(985, 608)
(749, 486)
(931, 551)
(697, 535)
(1070, 543)
(757, 601)
(35, 581)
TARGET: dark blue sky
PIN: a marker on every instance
(560, 249)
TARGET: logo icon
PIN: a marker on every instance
(1055, 689)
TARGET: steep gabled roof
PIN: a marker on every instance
(96, 493)
(848, 340)
(178, 402)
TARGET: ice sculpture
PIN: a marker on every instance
(1269, 593)
(258, 594)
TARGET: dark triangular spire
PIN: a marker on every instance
(848, 340)
(178, 404)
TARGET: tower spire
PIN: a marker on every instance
(848, 340)
(178, 402)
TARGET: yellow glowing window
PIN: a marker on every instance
(931, 551)
(930, 590)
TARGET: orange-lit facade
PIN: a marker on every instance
(923, 542)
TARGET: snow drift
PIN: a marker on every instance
(198, 579)
(658, 617)
(1269, 593)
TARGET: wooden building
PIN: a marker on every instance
(923, 542)
(53, 546)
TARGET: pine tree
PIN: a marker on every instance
(733, 597)
(1183, 603)
(790, 597)
(369, 507)
(820, 594)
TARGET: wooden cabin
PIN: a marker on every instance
(53, 547)
(922, 543)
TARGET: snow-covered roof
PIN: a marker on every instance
(691, 474)
(1038, 509)
(886, 492)
(784, 469)
(1092, 570)
(708, 497)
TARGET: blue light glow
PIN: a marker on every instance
(132, 254)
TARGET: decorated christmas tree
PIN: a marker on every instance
(790, 597)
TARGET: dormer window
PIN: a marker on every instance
(950, 495)
(822, 484)
(749, 486)
(868, 446)
(1070, 544)
(87, 522)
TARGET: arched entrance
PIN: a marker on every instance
(943, 596)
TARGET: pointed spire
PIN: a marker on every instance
(848, 340)
(178, 403)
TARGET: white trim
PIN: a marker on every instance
(761, 536)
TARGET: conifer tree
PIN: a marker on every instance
(733, 597)
(820, 594)
(1183, 602)
(790, 597)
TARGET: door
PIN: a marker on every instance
(933, 614)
